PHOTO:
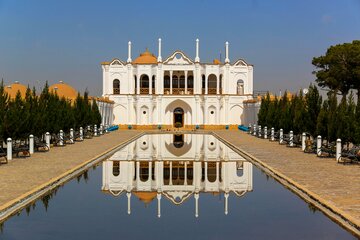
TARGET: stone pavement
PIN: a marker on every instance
(337, 184)
(21, 175)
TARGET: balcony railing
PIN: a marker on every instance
(116, 91)
(212, 91)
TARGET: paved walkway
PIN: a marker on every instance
(337, 184)
(21, 175)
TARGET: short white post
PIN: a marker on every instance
(338, 150)
(128, 194)
(318, 146)
(265, 132)
(196, 196)
(281, 137)
(81, 134)
(47, 139)
(303, 138)
(31, 144)
(250, 128)
(291, 139)
(95, 130)
(259, 131)
(71, 135)
(254, 132)
(88, 129)
(9, 149)
(101, 129)
(226, 210)
(106, 129)
(158, 196)
(272, 134)
(61, 138)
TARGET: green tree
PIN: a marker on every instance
(96, 116)
(322, 120)
(313, 103)
(4, 101)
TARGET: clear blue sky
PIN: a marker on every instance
(66, 40)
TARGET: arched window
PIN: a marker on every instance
(144, 84)
(116, 86)
(182, 81)
(190, 84)
(175, 82)
(116, 168)
(240, 87)
(212, 84)
(167, 81)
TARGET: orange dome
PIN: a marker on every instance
(63, 90)
(145, 58)
(12, 90)
(145, 197)
(216, 61)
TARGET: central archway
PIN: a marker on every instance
(178, 117)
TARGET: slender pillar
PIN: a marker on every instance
(265, 132)
(250, 128)
(129, 52)
(227, 60)
(128, 194)
(197, 58)
(318, 146)
(226, 196)
(303, 138)
(254, 132)
(170, 182)
(196, 196)
(95, 130)
(47, 139)
(291, 140)
(272, 134)
(338, 150)
(9, 149)
(185, 173)
(159, 55)
(217, 83)
(31, 144)
(259, 131)
(186, 82)
(158, 196)
(206, 85)
(171, 82)
(137, 84)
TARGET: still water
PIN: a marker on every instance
(172, 187)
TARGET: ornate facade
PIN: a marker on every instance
(152, 91)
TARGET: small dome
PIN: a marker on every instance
(12, 90)
(145, 58)
(216, 61)
(145, 197)
(63, 90)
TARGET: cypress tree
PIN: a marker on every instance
(322, 120)
(4, 101)
(332, 125)
(96, 116)
(312, 109)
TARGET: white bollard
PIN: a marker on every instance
(303, 138)
(95, 130)
(281, 136)
(338, 150)
(291, 139)
(61, 136)
(254, 132)
(250, 128)
(81, 134)
(318, 146)
(9, 149)
(71, 135)
(265, 132)
(101, 129)
(47, 139)
(259, 131)
(272, 134)
(31, 144)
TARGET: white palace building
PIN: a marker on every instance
(151, 91)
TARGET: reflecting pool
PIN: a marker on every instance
(166, 186)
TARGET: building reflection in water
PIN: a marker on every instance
(176, 167)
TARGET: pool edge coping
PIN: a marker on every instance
(330, 210)
(13, 206)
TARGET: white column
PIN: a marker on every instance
(137, 84)
(158, 196)
(171, 82)
(206, 114)
(159, 55)
(197, 58)
(272, 134)
(47, 139)
(31, 144)
(81, 134)
(61, 136)
(206, 84)
(227, 110)
(338, 150)
(129, 110)
(129, 52)
(9, 149)
(186, 82)
(303, 138)
(196, 196)
(170, 180)
(128, 194)
(217, 83)
(291, 140)
(318, 146)
(265, 132)
(137, 111)
(281, 137)
(227, 60)
(226, 196)
(185, 173)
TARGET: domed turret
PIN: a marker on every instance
(12, 89)
(145, 58)
(63, 90)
